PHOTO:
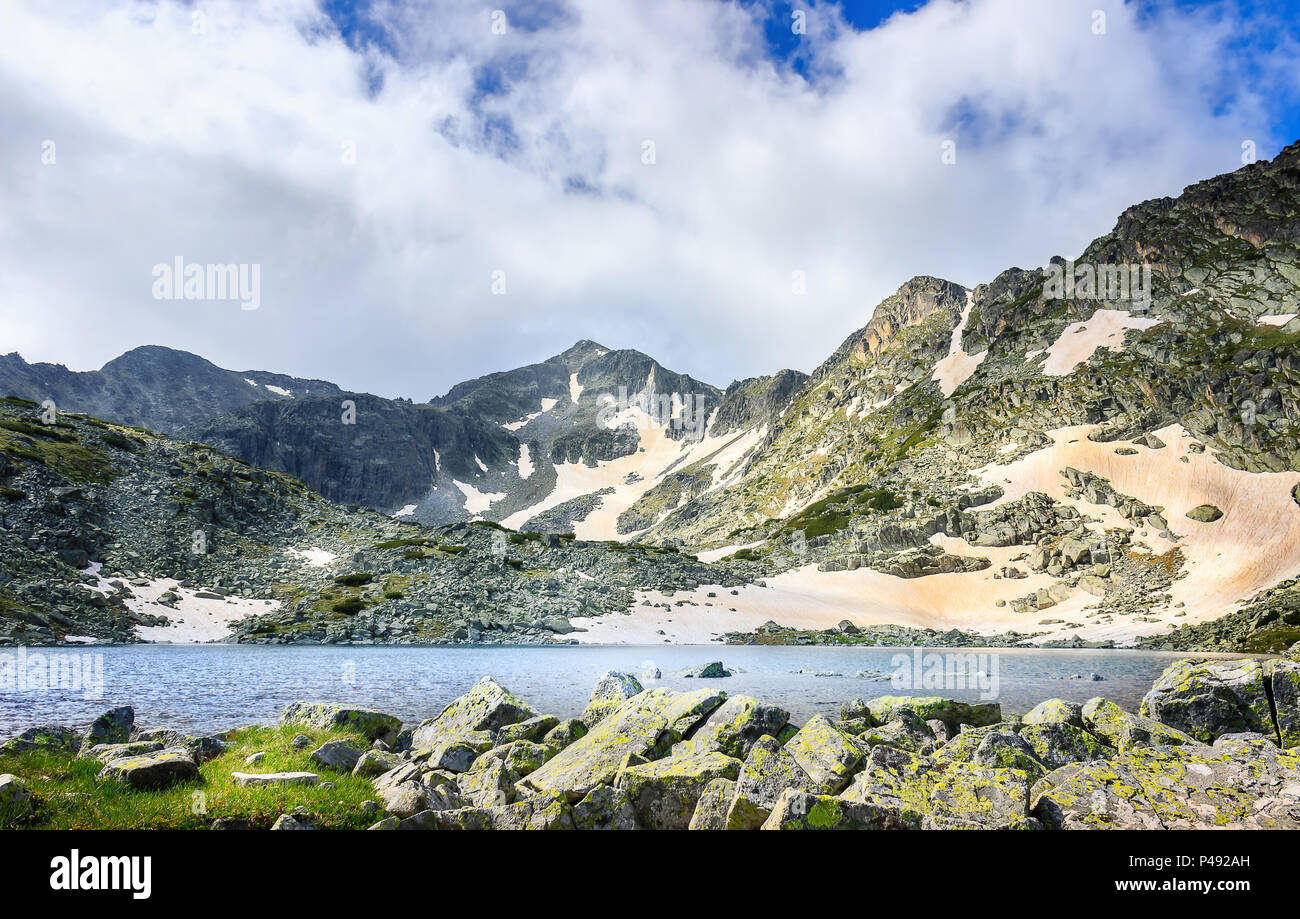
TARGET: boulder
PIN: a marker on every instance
(802, 810)
(1058, 744)
(108, 751)
(202, 748)
(1205, 513)
(564, 733)
(112, 727)
(711, 809)
(532, 729)
(1284, 686)
(157, 769)
(897, 779)
(950, 712)
(338, 754)
(255, 780)
(1211, 697)
(605, 808)
(611, 691)
(367, 722)
(300, 819)
(664, 793)
(16, 803)
(735, 726)
(1055, 711)
(647, 723)
(828, 755)
(52, 738)
(457, 754)
(1006, 750)
(768, 770)
(710, 671)
(903, 729)
(972, 797)
(376, 762)
(487, 707)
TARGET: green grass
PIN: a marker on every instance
(68, 796)
(355, 579)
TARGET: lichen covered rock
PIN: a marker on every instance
(367, 722)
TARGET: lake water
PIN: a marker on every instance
(214, 687)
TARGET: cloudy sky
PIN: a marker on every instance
(648, 175)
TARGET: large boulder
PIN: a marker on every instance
(829, 756)
(1123, 731)
(1209, 698)
(711, 809)
(802, 810)
(112, 727)
(1055, 711)
(203, 747)
(611, 691)
(1243, 781)
(767, 772)
(158, 769)
(952, 713)
(735, 726)
(487, 707)
(901, 728)
(110, 751)
(367, 722)
(1058, 744)
(531, 729)
(376, 762)
(51, 738)
(897, 779)
(16, 803)
(972, 797)
(1284, 686)
(645, 725)
(664, 792)
(605, 808)
(564, 733)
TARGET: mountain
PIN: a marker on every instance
(153, 387)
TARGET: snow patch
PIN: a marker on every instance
(1104, 328)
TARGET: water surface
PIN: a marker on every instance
(214, 687)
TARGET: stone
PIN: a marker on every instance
(532, 729)
(973, 797)
(338, 754)
(1208, 698)
(711, 671)
(255, 780)
(1205, 513)
(664, 793)
(829, 756)
(1057, 744)
(52, 738)
(367, 722)
(376, 762)
(298, 820)
(1123, 731)
(1007, 750)
(711, 810)
(564, 733)
(768, 770)
(897, 779)
(1284, 687)
(611, 691)
(16, 803)
(637, 727)
(802, 810)
(903, 729)
(112, 727)
(735, 726)
(1055, 711)
(605, 808)
(487, 707)
(202, 748)
(950, 712)
(157, 769)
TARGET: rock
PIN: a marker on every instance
(605, 808)
(950, 712)
(227, 823)
(459, 754)
(253, 759)
(300, 742)
(564, 733)
(904, 730)
(828, 755)
(531, 729)
(1123, 731)
(16, 803)
(253, 780)
(971, 797)
(1093, 585)
(1284, 686)
(897, 779)
(1208, 698)
(712, 671)
(802, 810)
(388, 823)
(648, 719)
(711, 809)
(1006, 750)
(52, 738)
(367, 722)
(611, 691)
(1058, 744)
(1055, 711)
(664, 792)
(768, 770)
(112, 727)
(298, 820)
(1243, 781)
(488, 784)
(158, 769)
(376, 762)
(735, 726)
(106, 752)
(940, 731)
(202, 748)
(487, 707)
(337, 754)
(1206, 513)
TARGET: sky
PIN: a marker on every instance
(432, 191)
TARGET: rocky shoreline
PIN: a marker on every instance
(1215, 744)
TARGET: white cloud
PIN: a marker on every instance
(227, 146)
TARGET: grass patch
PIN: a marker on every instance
(68, 797)
(355, 579)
